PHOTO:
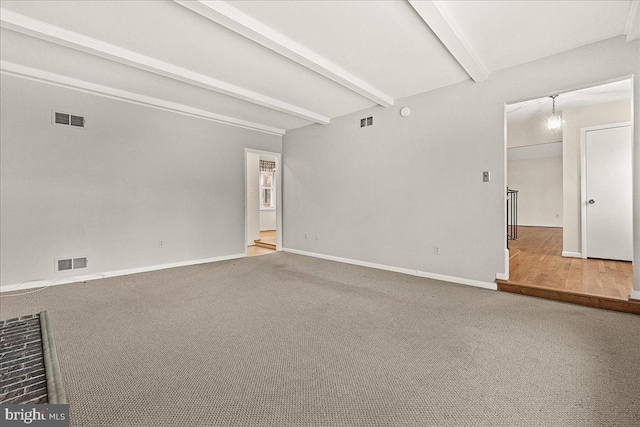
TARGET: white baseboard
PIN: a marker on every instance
(540, 225)
(572, 254)
(635, 295)
(95, 276)
(469, 282)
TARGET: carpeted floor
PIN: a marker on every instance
(287, 340)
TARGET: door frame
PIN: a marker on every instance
(632, 78)
(278, 157)
(583, 177)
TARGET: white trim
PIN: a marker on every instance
(42, 30)
(571, 254)
(505, 275)
(436, 16)
(632, 27)
(485, 285)
(573, 89)
(503, 208)
(278, 209)
(41, 76)
(583, 177)
(96, 276)
(235, 20)
(635, 294)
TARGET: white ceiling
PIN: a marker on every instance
(384, 42)
(541, 107)
(508, 33)
(286, 64)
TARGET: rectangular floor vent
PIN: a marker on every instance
(66, 119)
(71, 264)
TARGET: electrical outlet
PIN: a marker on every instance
(436, 250)
(306, 236)
(486, 176)
(317, 236)
(161, 244)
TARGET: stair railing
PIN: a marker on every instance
(512, 215)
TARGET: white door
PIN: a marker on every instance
(607, 198)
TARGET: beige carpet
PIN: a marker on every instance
(287, 340)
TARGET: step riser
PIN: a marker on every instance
(265, 245)
(571, 297)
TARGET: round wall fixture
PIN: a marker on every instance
(405, 111)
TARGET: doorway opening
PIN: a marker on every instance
(564, 151)
(263, 217)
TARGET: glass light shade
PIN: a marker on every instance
(554, 122)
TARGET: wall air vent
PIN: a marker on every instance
(66, 119)
(65, 264)
(61, 118)
(77, 121)
(79, 263)
(367, 121)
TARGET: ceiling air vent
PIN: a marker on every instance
(367, 121)
(66, 119)
(71, 264)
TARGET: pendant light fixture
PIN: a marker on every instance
(555, 121)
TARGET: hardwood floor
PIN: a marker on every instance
(536, 259)
(268, 236)
(257, 250)
(268, 240)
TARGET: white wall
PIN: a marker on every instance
(531, 132)
(534, 168)
(390, 192)
(574, 120)
(268, 219)
(539, 185)
(134, 176)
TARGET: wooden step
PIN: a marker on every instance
(264, 244)
(589, 300)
